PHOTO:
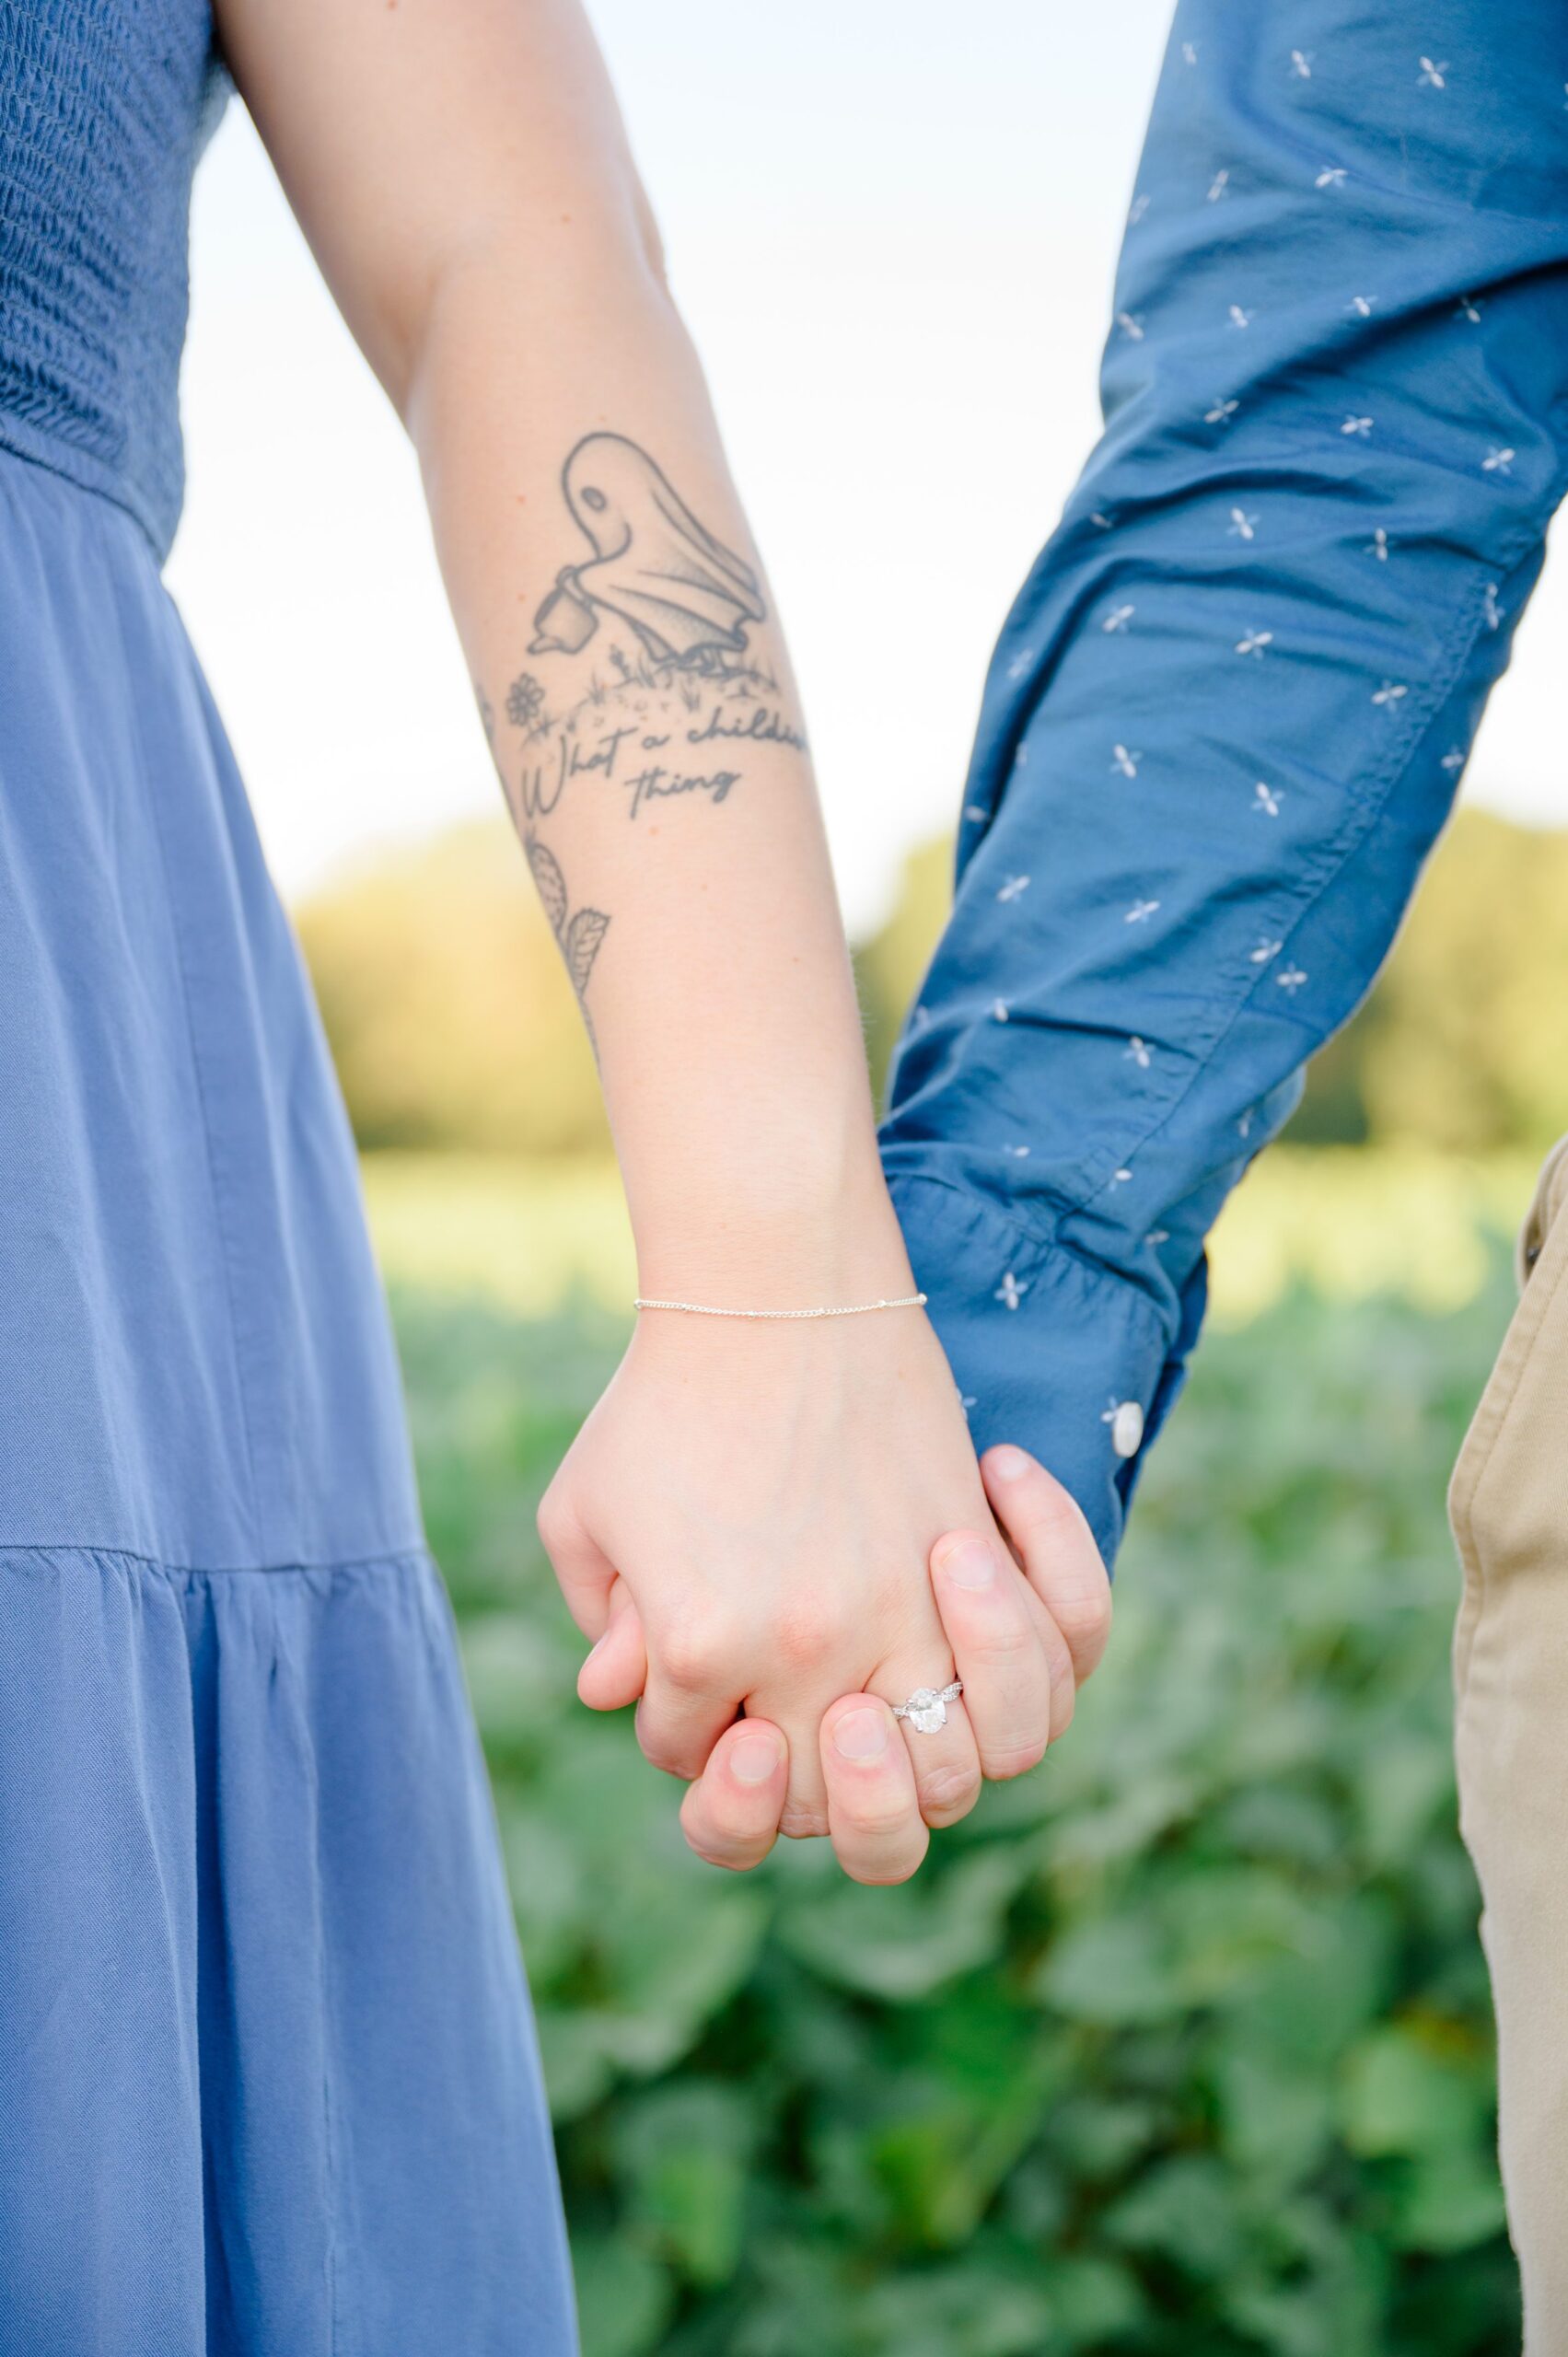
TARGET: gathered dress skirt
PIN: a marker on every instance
(269, 2085)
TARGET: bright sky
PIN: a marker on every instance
(892, 227)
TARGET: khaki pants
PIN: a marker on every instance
(1508, 1504)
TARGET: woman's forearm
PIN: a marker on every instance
(752, 1507)
(498, 262)
(645, 725)
(635, 684)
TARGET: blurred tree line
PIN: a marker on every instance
(453, 1024)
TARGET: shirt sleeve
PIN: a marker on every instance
(1227, 715)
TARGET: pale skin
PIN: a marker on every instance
(769, 1520)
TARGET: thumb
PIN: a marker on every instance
(617, 1669)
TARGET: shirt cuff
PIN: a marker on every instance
(1050, 1350)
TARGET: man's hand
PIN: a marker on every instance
(768, 1498)
(1043, 1595)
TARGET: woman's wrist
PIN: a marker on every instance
(794, 1234)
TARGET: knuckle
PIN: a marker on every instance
(949, 1791)
(1055, 1508)
(1005, 1761)
(1058, 1661)
(877, 1819)
(689, 1659)
(807, 1631)
(1050, 1515)
(733, 1858)
(801, 1821)
(716, 1847)
(1085, 1606)
(1001, 1644)
(704, 1823)
(553, 1522)
(663, 1751)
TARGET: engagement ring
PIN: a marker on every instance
(927, 1707)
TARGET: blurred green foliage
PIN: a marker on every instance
(453, 1024)
(890, 966)
(1464, 1042)
(1181, 2044)
(449, 1014)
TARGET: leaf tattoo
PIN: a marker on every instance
(551, 884)
(579, 934)
(581, 943)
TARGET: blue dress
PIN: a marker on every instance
(268, 2078)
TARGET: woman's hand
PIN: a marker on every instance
(768, 1496)
(730, 1814)
(1022, 1627)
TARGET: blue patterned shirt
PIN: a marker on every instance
(1228, 712)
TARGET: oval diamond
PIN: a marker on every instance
(926, 1711)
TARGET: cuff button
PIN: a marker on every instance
(1127, 1429)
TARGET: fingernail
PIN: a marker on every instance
(753, 1758)
(597, 1643)
(969, 1564)
(861, 1734)
(1007, 1463)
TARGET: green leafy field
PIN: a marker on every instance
(1180, 2045)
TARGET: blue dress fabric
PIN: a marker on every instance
(1229, 710)
(268, 2076)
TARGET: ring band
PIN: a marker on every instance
(927, 1709)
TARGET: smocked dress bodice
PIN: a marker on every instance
(105, 106)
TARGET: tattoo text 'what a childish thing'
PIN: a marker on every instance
(662, 610)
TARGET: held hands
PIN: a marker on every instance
(788, 1521)
(869, 1760)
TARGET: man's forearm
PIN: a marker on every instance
(1228, 712)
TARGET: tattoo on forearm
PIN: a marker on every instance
(651, 784)
(580, 932)
(667, 609)
(525, 700)
(687, 598)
